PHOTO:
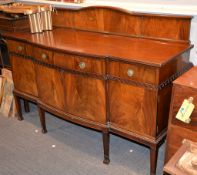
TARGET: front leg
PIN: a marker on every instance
(42, 119)
(153, 159)
(18, 106)
(26, 106)
(106, 146)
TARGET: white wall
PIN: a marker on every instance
(182, 7)
(193, 38)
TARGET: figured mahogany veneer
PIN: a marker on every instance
(183, 88)
(109, 82)
(119, 21)
(73, 62)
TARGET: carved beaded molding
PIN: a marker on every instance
(106, 76)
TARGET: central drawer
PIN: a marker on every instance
(79, 63)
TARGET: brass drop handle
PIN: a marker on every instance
(20, 48)
(82, 65)
(44, 56)
(130, 72)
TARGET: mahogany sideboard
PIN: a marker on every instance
(104, 68)
(183, 88)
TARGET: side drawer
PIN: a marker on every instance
(79, 63)
(135, 72)
(17, 47)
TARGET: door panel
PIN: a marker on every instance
(50, 88)
(132, 108)
(24, 75)
(85, 97)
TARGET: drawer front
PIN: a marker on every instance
(17, 47)
(79, 63)
(135, 72)
(180, 93)
(41, 54)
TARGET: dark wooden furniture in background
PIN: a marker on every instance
(13, 23)
(172, 168)
(183, 88)
(10, 22)
(104, 68)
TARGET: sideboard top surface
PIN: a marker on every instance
(131, 49)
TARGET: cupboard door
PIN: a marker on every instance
(85, 97)
(24, 75)
(133, 108)
(50, 87)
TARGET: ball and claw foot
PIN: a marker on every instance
(44, 131)
(106, 161)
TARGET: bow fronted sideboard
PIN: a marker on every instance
(104, 68)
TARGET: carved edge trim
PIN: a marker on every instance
(72, 118)
(149, 86)
(137, 137)
(60, 69)
(173, 77)
(107, 76)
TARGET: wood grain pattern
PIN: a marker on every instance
(84, 97)
(156, 27)
(127, 49)
(72, 62)
(24, 75)
(92, 19)
(163, 108)
(50, 87)
(40, 54)
(133, 108)
(101, 95)
(141, 73)
(122, 22)
(173, 66)
(183, 88)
